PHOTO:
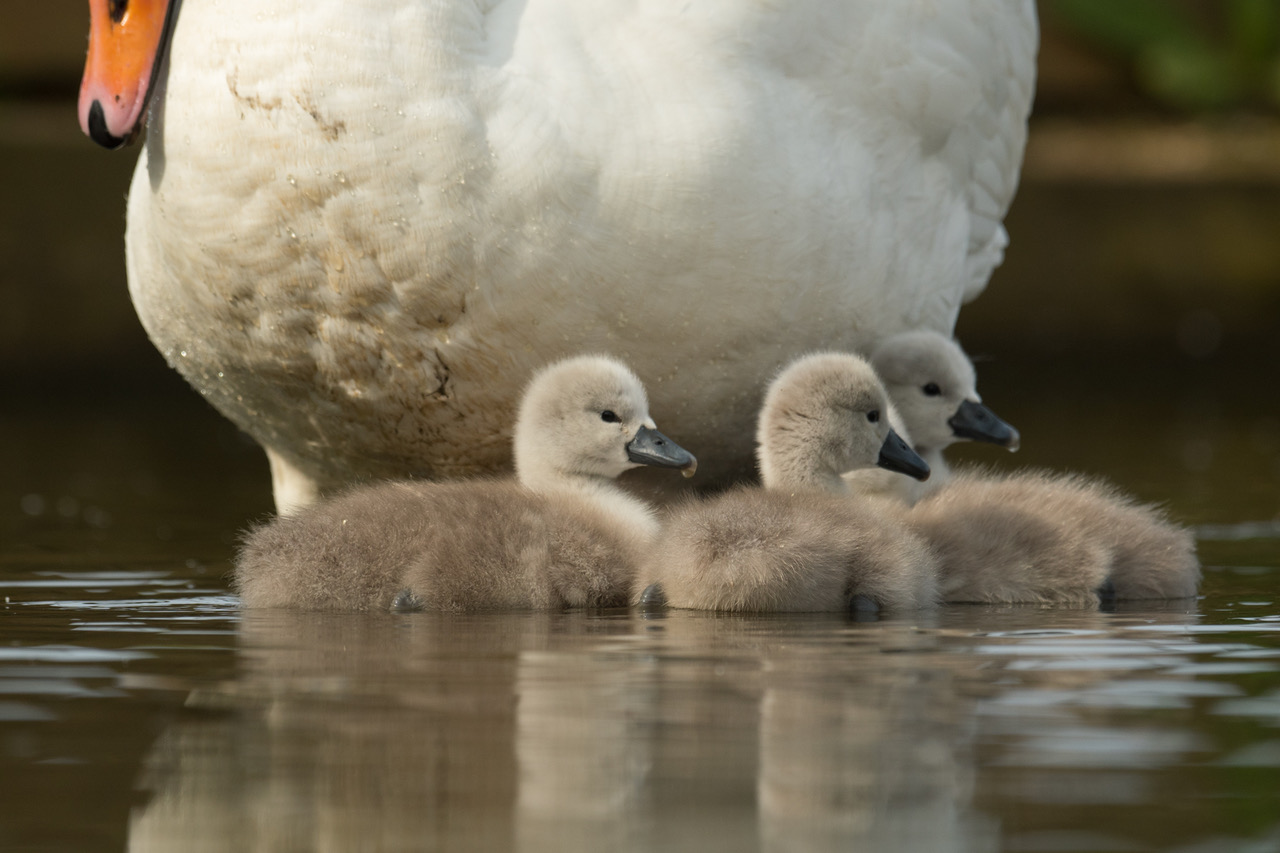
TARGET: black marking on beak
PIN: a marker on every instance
(650, 447)
(975, 421)
(897, 455)
(98, 129)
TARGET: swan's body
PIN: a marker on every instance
(1044, 538)
(791, 545)
(935, 403)
(358, 225)
(562, 536)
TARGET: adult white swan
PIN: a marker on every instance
(357, 226)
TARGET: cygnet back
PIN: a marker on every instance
(1040, 537)
(991, 549)
(756, 550)
(1148, 556)
(478, 545)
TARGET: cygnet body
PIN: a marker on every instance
(564, 535)
(1046, 538)
(802, 543)
(934, 400)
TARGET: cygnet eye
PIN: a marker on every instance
(873, 416)
(610, 417)
(931, 389)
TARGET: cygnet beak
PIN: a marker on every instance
(897, 455)
(650, 447)
(976, 421)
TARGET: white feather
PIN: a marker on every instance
(359, 225)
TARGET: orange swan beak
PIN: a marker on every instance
(127, 42)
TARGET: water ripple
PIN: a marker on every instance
(70, 654)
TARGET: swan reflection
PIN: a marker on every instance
(576, 731)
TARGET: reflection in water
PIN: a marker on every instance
(569, 732)
(859, 757)
(345, 734)
(583, 728)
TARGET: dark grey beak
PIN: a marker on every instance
(651, 447)
(897, 455)
(976, 421)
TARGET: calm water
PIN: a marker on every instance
(139, 709)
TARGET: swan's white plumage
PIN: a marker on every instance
(358, 224)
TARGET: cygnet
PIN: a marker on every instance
(934, 403)
(561, 535)
(1020, 538)
(802, 542)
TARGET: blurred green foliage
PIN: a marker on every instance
(1212, 55)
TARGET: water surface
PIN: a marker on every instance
(139, 708)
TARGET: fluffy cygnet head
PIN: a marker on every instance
(588, 417)
(824, 415)
(932, 383)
